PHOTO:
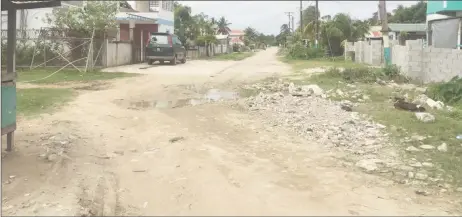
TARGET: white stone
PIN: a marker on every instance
(427, 147)
(425, 117)
(443, 147)
(368, 165)
(435, 104)
(412, 149)
(421, 176)
(427, 164)
(315, 89)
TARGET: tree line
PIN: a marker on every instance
(335, 30)
(201, 29)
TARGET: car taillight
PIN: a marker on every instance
(170, 41)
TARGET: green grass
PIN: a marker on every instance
(321, 62)
(34, 101)
(236, 56)
(67, 75)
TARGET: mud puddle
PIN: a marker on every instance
(212, 95)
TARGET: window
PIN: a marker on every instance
(153, 3)
(159, 39)
(164, 5)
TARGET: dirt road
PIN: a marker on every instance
(126, 151)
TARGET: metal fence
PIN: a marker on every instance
(54, 48)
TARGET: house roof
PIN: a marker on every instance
(236, 32)
(7, 4)
(407, 27)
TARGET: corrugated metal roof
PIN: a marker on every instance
(407, 27)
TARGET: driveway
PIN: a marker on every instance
(142, 147)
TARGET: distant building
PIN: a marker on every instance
(236, 37)
(412, 30)
(444, 25)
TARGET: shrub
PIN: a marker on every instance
(448, 92)
(235, 48)
(360, 74)
(391, 70)
(299, 51)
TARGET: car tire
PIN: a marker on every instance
(173, 62)
(150, 62)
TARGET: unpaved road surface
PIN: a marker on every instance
(113, 152)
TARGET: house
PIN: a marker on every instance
(145, 18)
(35, 18)
(236, 37)
(410, 31)
(444, 25)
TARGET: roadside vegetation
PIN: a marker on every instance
(235, 56)
(33, 101)
(66, 75)
(373, 89)
(42, 98)
(378, 87)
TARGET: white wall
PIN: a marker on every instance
(118, 53)
(165, 28)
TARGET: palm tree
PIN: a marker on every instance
(223, 26)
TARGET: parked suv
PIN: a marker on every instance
(165, 47)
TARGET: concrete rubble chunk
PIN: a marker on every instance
(443, 147)
(425, 117)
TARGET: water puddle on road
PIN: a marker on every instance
(212, 95)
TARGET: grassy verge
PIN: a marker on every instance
(401, 124)
(235, 56)
(298, 65)
(41, 100)
(67, 75)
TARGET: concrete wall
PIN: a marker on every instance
(426, 64)
(369, 52)
(201, 52)
(117, 53)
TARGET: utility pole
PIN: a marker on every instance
(317, 24)
(301, 16)
(293, 27)
(386, 39)
(289, 15)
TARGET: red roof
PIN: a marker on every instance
(236, 32)
(377, 34)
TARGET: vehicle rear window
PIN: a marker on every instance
(159, 39)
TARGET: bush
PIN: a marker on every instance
(449, 92)
(360, 74)
(25, 51)
(299, 51)
(391, 70)
(236, 48)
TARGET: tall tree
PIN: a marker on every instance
(223, 26)
(412, 14)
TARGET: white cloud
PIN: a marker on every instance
(268, 16)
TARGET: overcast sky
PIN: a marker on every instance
(268, 16)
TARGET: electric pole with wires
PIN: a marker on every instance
(386, 40)
(301, 16)
(317, 25)
(289, 15)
